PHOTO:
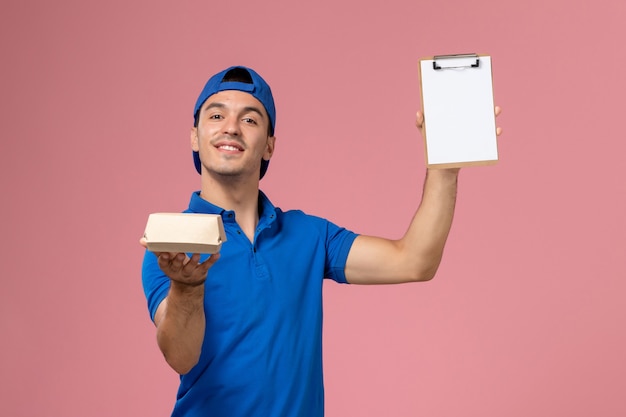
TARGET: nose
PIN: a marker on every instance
(231, 126)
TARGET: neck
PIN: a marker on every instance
(242, 197)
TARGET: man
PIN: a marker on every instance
(243, 328)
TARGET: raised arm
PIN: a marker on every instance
(417, 255)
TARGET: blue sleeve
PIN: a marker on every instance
(155, 283)
(338, 244)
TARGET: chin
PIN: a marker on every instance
(228, 173)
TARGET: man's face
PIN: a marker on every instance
(232, 134)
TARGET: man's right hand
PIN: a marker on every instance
(182, 269)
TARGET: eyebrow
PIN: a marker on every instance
(246, 109)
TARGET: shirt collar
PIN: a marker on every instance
(267, 211)
(200, 205)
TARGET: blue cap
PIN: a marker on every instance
(259, 89)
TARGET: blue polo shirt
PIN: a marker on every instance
(262, 349)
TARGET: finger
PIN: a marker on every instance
(419, 119)
(165, 260)
(190, 264)
(195, 259)
(498, 131)
(498, 110)
(143, 242)
(172, 261)
(204, 267)
(194, 267)
(210, 261)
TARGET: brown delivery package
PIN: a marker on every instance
(184, 232)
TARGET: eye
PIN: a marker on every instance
(249, 120)
(215, 116)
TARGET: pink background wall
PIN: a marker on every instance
(527, 314)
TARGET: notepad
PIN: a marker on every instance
(458, 106)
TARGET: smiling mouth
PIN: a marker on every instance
(229, 148)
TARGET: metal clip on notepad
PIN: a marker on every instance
(457, 61)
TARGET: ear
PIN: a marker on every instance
(194, 139)
(269, 148)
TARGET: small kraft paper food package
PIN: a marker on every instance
(184, 232)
